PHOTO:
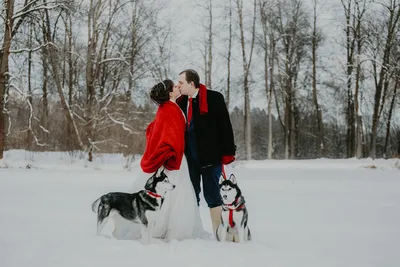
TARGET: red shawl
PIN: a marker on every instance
(165, 139)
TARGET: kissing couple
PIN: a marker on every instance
(191, 137)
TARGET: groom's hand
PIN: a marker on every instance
(227, 159)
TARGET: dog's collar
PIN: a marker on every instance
(234, 205)
(152, 194)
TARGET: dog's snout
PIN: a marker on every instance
(224, 196)
(173, 186)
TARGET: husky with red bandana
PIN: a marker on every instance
(141, 207)
(234, 215)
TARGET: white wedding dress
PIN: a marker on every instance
(179, 215)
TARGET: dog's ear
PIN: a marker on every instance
(160, 172)
(232, 178)
(221, 179)
(149, 182)
(156, 174)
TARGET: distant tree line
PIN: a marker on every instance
(74, 75)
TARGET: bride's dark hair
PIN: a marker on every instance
(160, 92)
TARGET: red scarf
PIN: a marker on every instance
(165, 139)
(203, 99)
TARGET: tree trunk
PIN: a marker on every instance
(90, 90)
(350, 42)
(247, 142)
(358, 118)
(381, 87)
(267, 61)
(133, 52)
(271, 94)
(210, 43)
(296, 132)
(70, 127)
(321, 143)
(288, 110)
(29, 138)
(398, 142)
(389, 119)
(246, 71)
(267, 89)
(228, 78)
(4, 53)
(44, 119)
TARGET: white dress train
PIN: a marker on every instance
(179, 215)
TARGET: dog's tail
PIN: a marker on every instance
(95, 204)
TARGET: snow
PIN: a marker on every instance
(301, 213)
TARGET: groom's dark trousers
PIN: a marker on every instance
(209, 175)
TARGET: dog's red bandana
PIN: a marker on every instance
(153, 194)
(232, 207)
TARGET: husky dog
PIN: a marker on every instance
(140, 207)
(234, 215)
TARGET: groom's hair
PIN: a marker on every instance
(192, 76)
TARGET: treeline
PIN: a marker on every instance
(75, 75)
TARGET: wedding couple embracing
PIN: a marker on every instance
(191, 137)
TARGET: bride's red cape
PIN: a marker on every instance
(165, 139)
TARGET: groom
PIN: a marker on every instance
(209, 140)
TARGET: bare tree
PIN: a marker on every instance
(162, 56)
(361, 8)
(350, 47)
(292, 27)
(207, 50)
(315, 40)
(390, 114)
(246, 73)
(268, 46)
(228, 61)
(105, 66)
(382, 71)
(54, 59)
(44, 118)
(12, 22)
(354, 14)
(210, 45)
(71, 70)
(30, 92)
(4, 76)
(93, 51)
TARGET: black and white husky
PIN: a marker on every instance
(140, 207)
(234, 215)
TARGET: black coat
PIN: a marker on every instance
(214, 133)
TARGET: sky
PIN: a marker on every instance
(187, 17)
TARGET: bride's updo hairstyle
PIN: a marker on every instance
(160, 92)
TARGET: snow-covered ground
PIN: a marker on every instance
(308, 213)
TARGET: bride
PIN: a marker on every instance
(165, 140)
